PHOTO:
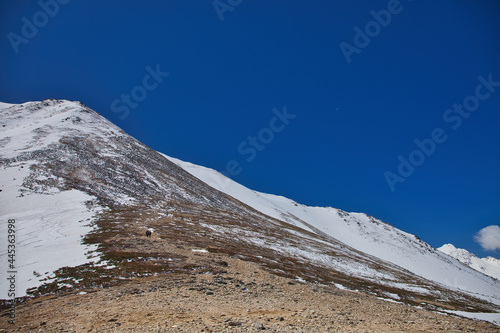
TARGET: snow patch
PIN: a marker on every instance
(49, 230)
(489, 265)
(493, 318)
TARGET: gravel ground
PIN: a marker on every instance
(237, 296)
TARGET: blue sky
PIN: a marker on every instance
(351, 114)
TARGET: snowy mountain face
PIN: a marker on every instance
(357, 230)
(489, 265)
(83, 192)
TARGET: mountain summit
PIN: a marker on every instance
(489, 265)
(82, 194)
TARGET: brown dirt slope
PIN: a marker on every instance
(224, 294)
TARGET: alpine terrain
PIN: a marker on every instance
(79, 195)
(489, 265)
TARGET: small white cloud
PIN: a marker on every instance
(489, 237)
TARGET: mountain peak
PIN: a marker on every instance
(447, 247)
(489, 265)
(81, 175)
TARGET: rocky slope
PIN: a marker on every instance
(237, 296)
(79, 186)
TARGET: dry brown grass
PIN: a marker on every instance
(120, 237)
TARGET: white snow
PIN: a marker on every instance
(200, 250)
(299, 279)
(489, 265)
(49, 230)
(5, 105)
(341, 287)
(26, 130)
(271, 205)
(493, 318)
(51, 222)
(361, 232)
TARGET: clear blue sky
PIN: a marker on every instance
(352, 120)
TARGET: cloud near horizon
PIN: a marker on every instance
(489, 238)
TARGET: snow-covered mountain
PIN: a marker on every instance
(357, 230)
(489, 265)
(81, 190)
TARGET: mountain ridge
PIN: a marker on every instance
(228, 186)
(59, 147)
(489, 265)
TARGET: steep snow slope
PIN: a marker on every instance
(361, 232)
(73, 163)
(60, 165)
(489, 265)
(49, 223)
(68, 162)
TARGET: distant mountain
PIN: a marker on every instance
(82, 193)
(489, 265)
